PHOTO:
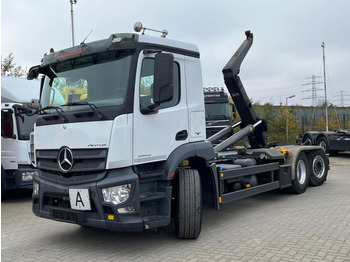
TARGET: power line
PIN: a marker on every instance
(313, 89)
(273, 81)
(342, 97)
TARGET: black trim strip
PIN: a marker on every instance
(142, 46)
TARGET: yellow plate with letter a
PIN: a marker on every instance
(79, 199)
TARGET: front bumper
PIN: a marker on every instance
(151, 208)
(19, 178)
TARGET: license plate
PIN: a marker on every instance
(79, 199)
(65, 216)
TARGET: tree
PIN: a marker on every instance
(276, 122)
(334, 122)
(7, 65)
(9, 68)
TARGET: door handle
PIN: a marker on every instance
(181, 135)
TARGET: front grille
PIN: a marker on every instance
(86, 161)
(75, 174)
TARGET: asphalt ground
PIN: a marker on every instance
(274, 226)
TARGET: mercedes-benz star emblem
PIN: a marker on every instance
(65, 159)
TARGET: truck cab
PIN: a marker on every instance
(119, 145)
(16, 126)
(219, 110)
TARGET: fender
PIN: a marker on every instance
(202, 150)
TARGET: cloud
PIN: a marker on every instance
(287, 34)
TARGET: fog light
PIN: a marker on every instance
(27, 176)
(117, 194)
(125, 210)
(35, 188)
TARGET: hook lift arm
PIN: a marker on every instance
(240, 97)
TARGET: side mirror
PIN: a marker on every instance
(33, 72)
(23, 110)
(163, 86)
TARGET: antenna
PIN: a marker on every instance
(86, 38)
(138, 28)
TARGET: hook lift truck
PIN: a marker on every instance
(133, 153)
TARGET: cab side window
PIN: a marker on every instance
(146, 85)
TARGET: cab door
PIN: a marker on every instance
(157, 134)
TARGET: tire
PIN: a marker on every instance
(323, 142)
(189, 205)
(318, 168)
(307, 140)
(302, 174)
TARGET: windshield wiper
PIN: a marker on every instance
(92, 106)
(58, 110)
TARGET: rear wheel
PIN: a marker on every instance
(318, 168)
(307, 140)
(189, 204)
(301, 180)
(322, 142)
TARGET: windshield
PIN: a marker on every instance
(25, 125)
(217, 111)
(100, 79)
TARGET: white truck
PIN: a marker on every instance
(132, 153)
(17, 96)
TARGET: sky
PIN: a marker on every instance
(287, 38)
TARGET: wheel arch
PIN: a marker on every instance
(209, 181)
(322, 135)
(197, 156)
(312, 135)
(307, 135)
(200, 152)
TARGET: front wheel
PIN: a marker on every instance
(301, 179)
(318, 168)
(189, 204)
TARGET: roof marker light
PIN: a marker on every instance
(138, 28)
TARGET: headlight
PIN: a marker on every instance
(117, 194)
(35, 188)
